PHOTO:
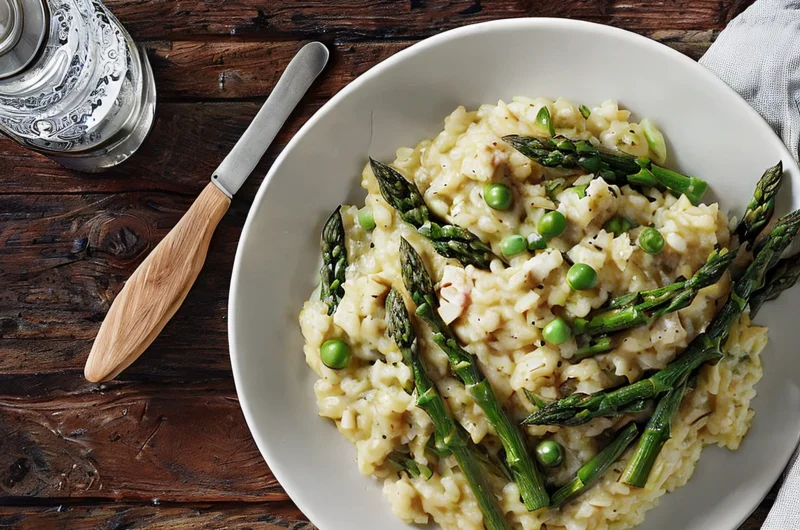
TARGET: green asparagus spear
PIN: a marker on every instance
(655, 435)
(595, 468)
(448, 240)
(776, 280)
(581, 408)
(450, 436)
(403, 462)
(593, 346)
(614, 166)
(759, 210)
(419, 284)
(646, 306)
(782, 277)
(767, 254)
(657, 431)
(334, 261)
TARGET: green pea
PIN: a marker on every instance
(617, 226)
(552, 224)
(613, 226)
(536, 242)
(498, 196)
(557, 331)
(549, 453)
(651, 240)
(581, 277)
(335, 354)
(365, 219)
(513, 245)
(625, 224)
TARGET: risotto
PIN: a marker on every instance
(500, 315)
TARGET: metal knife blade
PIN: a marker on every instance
(293, 84)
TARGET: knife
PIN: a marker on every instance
(157, 288)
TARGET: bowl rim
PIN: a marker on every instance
(283, 475)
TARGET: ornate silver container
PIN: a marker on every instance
(73, 85)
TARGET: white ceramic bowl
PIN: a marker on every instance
(711, 132)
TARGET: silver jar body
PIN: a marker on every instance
(88, 99)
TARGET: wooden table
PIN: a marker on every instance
(165, 445)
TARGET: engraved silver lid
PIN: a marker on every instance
(23, 28)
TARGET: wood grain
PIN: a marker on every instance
(275, 516)
(186, 70)
(230, 70)
(357, 20)
(63, 438)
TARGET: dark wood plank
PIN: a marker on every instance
(64, 438)
(233, 69)
(353, 20)
(693, 43)
(275, 516)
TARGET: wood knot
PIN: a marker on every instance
(8, 326)
(17, 472)
(125, 237)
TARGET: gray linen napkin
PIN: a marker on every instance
(758, 55)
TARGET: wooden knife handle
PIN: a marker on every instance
(156, 289)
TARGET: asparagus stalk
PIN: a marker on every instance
(655, 435)
(759, 210)
(450, 241)
(419, 284)
(449, 435)
(595, 468)
(613, 166)
(334, 261)
(593, 346)
(403, 462)
(782, 277)
(646, 306)
(768, 252)
(581, 408)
